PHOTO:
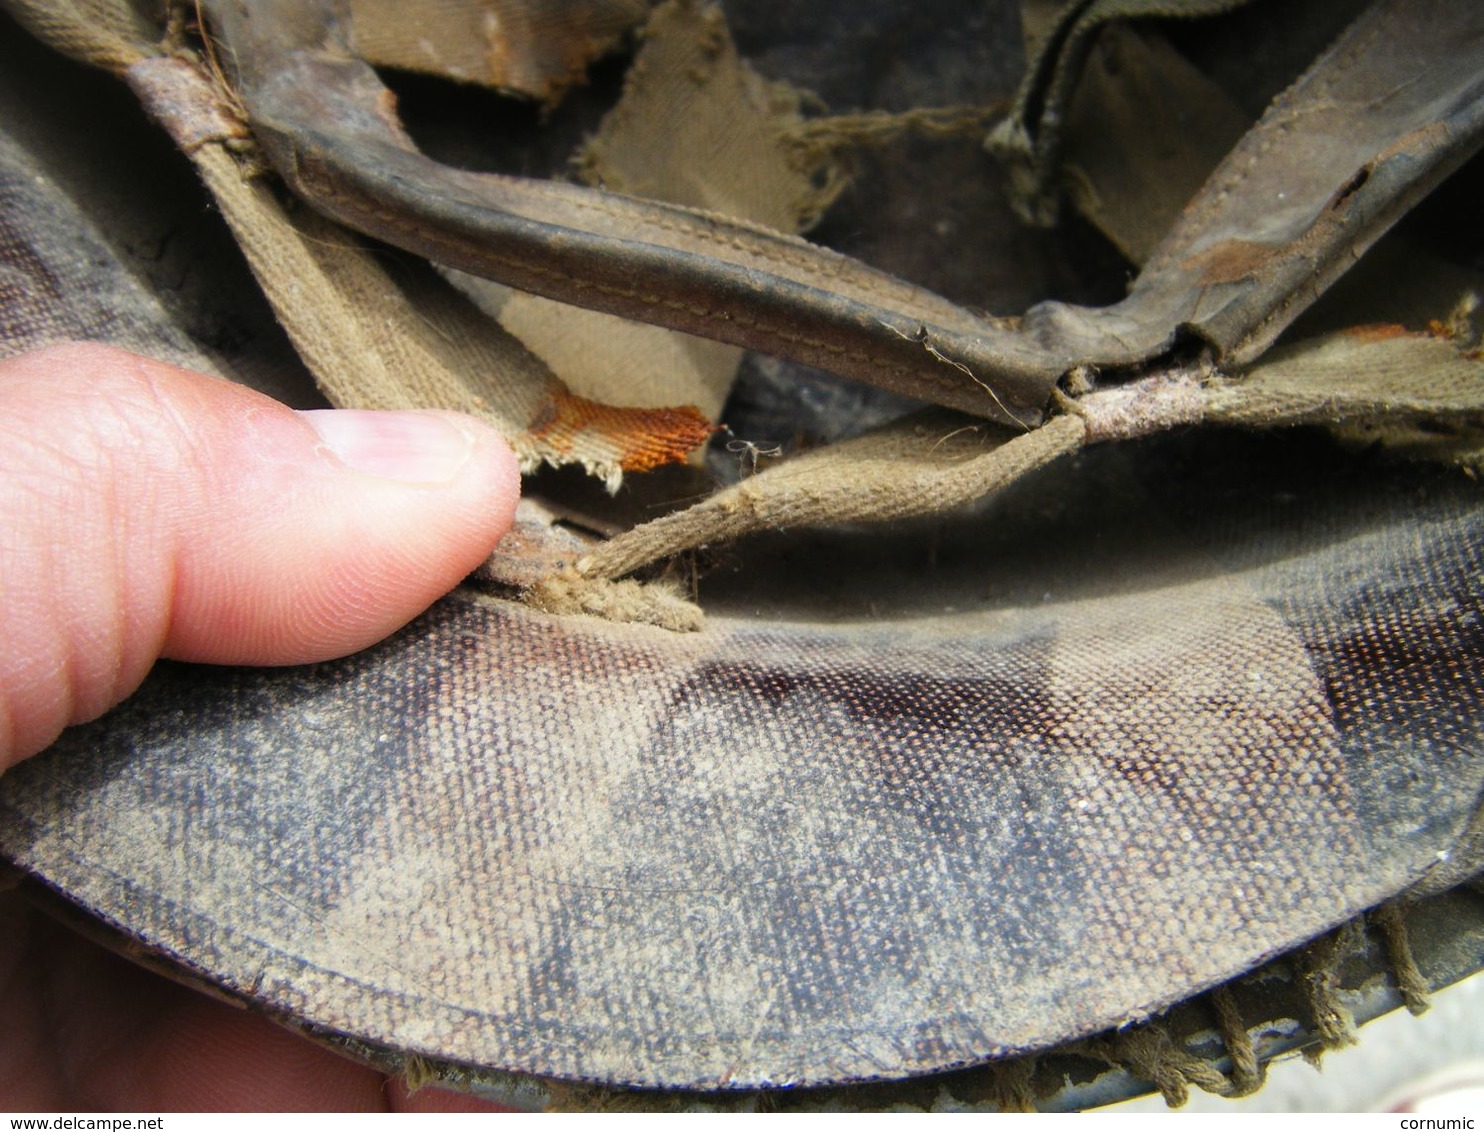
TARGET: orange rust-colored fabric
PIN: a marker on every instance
(642, 439)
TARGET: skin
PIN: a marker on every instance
(150, 512)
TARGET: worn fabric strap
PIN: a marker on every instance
(1383, 383)
(921, 465)
(104, 33)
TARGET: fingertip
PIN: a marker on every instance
(328, 551)
(152, 511)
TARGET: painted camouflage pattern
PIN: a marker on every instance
(795, 852)
(1199, 700)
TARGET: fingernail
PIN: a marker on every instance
(413, 447)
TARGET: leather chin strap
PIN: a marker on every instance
(1392, 108)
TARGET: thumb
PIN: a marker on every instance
(146, 511)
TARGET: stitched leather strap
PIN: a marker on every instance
(1393, 107)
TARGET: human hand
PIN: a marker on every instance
(148, 512)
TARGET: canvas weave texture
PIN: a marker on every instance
(802, 733)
